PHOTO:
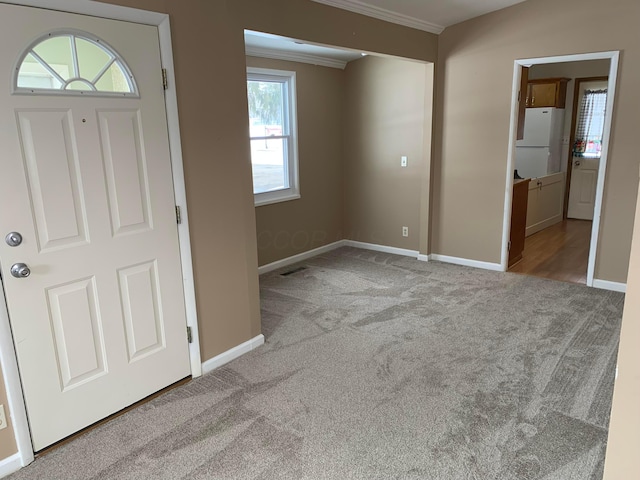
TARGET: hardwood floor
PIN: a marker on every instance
(560, 252)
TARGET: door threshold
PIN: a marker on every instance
(97, 424)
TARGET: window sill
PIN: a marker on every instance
(269, 198)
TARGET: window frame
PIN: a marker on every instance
(290, 122)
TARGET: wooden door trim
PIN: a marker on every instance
(523, 101)
(572, 135)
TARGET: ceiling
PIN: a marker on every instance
(429, 15)
(260, 44)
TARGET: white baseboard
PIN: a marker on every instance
(232, 354)
(299, 257)
(424, 258)
(332, 246)
(466, 262)
(382, 248)
(10, 464)
(543, 224)
(607, 285)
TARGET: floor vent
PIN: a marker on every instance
(295, 270)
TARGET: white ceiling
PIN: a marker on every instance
(429, 15)
(273, 46)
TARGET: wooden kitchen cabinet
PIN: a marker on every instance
(523, 98)
(547, 92)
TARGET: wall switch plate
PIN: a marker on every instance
(3, 418)
(405, 231)
(403, 161)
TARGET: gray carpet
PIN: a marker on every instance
(378, 366)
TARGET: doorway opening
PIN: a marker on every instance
(354, 111)
(557, 160)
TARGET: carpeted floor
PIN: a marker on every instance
(378, 366)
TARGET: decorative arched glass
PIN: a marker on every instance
(75, 63)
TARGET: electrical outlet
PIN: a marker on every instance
(403, 161)
(3, 419)
(405, 231)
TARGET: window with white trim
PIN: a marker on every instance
(272, 123)
(72, 63)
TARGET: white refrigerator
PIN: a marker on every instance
(539, 152)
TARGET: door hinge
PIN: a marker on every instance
(178, 215)
(189, 335)
(509, 246)
(165, 83)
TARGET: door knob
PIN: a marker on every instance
(577, 163)
(20, 270)
(13, 239)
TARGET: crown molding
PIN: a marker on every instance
(383, 14)
(294, 57)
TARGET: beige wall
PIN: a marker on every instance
(586, 68)
(353, 126)
(475, 74)
(287, 228)
(384, 119)
(7, 442)
(208, 47)
(621, 462)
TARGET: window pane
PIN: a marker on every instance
(266, 108)
(79, 85)
(56, 51)
(34, 75)
(91, 59)
(590, 125)
(270, 168)
(113, 80)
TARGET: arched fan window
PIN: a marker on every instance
(75, 63)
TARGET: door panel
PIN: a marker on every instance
(100, 322)
(141, 307)
(77, 330)
(588, 187)
(126, 170)
(51, 164)
(582, 192)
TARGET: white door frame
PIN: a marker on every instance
(7, 352)
(613, 57)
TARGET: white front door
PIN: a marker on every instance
(582, 190)
(100, 322)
